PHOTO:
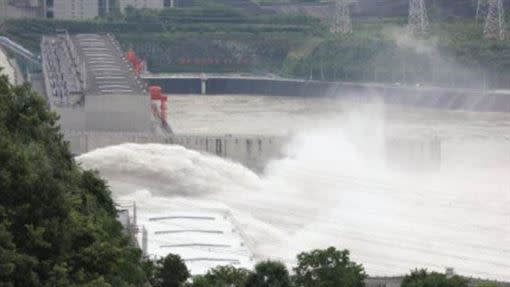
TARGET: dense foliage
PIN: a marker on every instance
(269, 274)
(222, 276)
(326, 268)
(329, 267)
(422, 278)
(58, 223)
(170, 271)
(322, 268)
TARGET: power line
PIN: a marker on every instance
(495, 23)
(342, 23)
(418, 19)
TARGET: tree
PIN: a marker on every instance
(58, 226)
(269, 274)
(328, 268)
(171, 271)
(199, 281)
(150, 269)
(222, 276)
(421, 278)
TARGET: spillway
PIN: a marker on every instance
(333, 188)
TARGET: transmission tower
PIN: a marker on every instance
(418, 19)
(481, 9)
(342, 18)
(495, 24)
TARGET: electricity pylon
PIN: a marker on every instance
(418, 19)
(342, 18)
(481, 9)
(495, 23)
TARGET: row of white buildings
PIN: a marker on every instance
(73, 9)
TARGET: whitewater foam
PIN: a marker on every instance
(331, 189)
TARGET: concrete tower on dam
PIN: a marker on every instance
(90, 85)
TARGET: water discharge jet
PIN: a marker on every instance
(332, 188)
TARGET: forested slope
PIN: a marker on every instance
(58, 223)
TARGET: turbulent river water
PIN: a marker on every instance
(333, 187)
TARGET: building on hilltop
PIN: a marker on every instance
(139, 4)
(58, 9)
(78, 9)
(72, 9)
(20, 9)
(89, 9)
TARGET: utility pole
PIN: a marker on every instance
(495, 23)
(145, 239)
(418, 19)
(342, 23)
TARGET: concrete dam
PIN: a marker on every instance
(103, 99)
(256, 151)
(252, 151)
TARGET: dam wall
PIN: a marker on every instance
(251, 151)
(107, 113)
(427, 97)
(256, 151)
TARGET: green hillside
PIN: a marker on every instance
(58, 223)
(216, 38)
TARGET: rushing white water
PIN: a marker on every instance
(333, 189)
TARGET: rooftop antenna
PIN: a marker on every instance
(495, 23)
(418, 19)
(342, 23)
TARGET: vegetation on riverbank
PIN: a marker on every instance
(58, 223)
(328, 268)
